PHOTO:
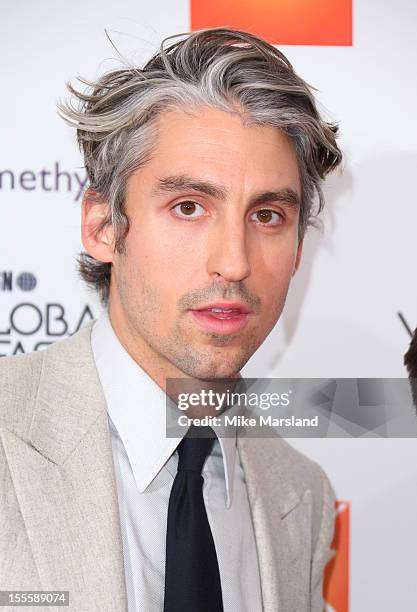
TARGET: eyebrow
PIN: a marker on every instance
(172, 184)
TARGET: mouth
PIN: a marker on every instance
(222, 318)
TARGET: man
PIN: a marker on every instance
(410, 361)
(202, 166)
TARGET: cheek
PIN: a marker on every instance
(273, 269)
(164, 258)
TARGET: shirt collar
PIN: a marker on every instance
(137, 407)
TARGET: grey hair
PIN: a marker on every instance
(227, 69)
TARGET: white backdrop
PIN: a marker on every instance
(341, 315)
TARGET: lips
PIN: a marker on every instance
(222, 313)
(226, 306)
(222, 318)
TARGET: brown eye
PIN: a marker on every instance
(264, 215)
(268, 217)
(188, 208)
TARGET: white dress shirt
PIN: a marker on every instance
(145, 463)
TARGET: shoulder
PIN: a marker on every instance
(19, 381)
(20, 376)
(283, 463)
(306, 478)
(305, 473)
(283, 477)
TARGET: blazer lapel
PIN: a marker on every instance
(64, 480)
(282, 522)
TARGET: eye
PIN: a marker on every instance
(189, 209)
(268, 217)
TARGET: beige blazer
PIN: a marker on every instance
(59, 521)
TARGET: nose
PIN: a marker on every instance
(228, 253)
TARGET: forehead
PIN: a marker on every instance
(218, 146)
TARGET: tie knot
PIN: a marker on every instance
(192, 452)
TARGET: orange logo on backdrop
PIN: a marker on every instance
(281, 22)
(336, 575)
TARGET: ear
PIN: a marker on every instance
(97, 241)
(298, 255)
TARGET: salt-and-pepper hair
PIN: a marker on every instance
(226, 69)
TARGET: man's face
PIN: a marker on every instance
(213, 224)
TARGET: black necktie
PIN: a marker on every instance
(192, 579)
